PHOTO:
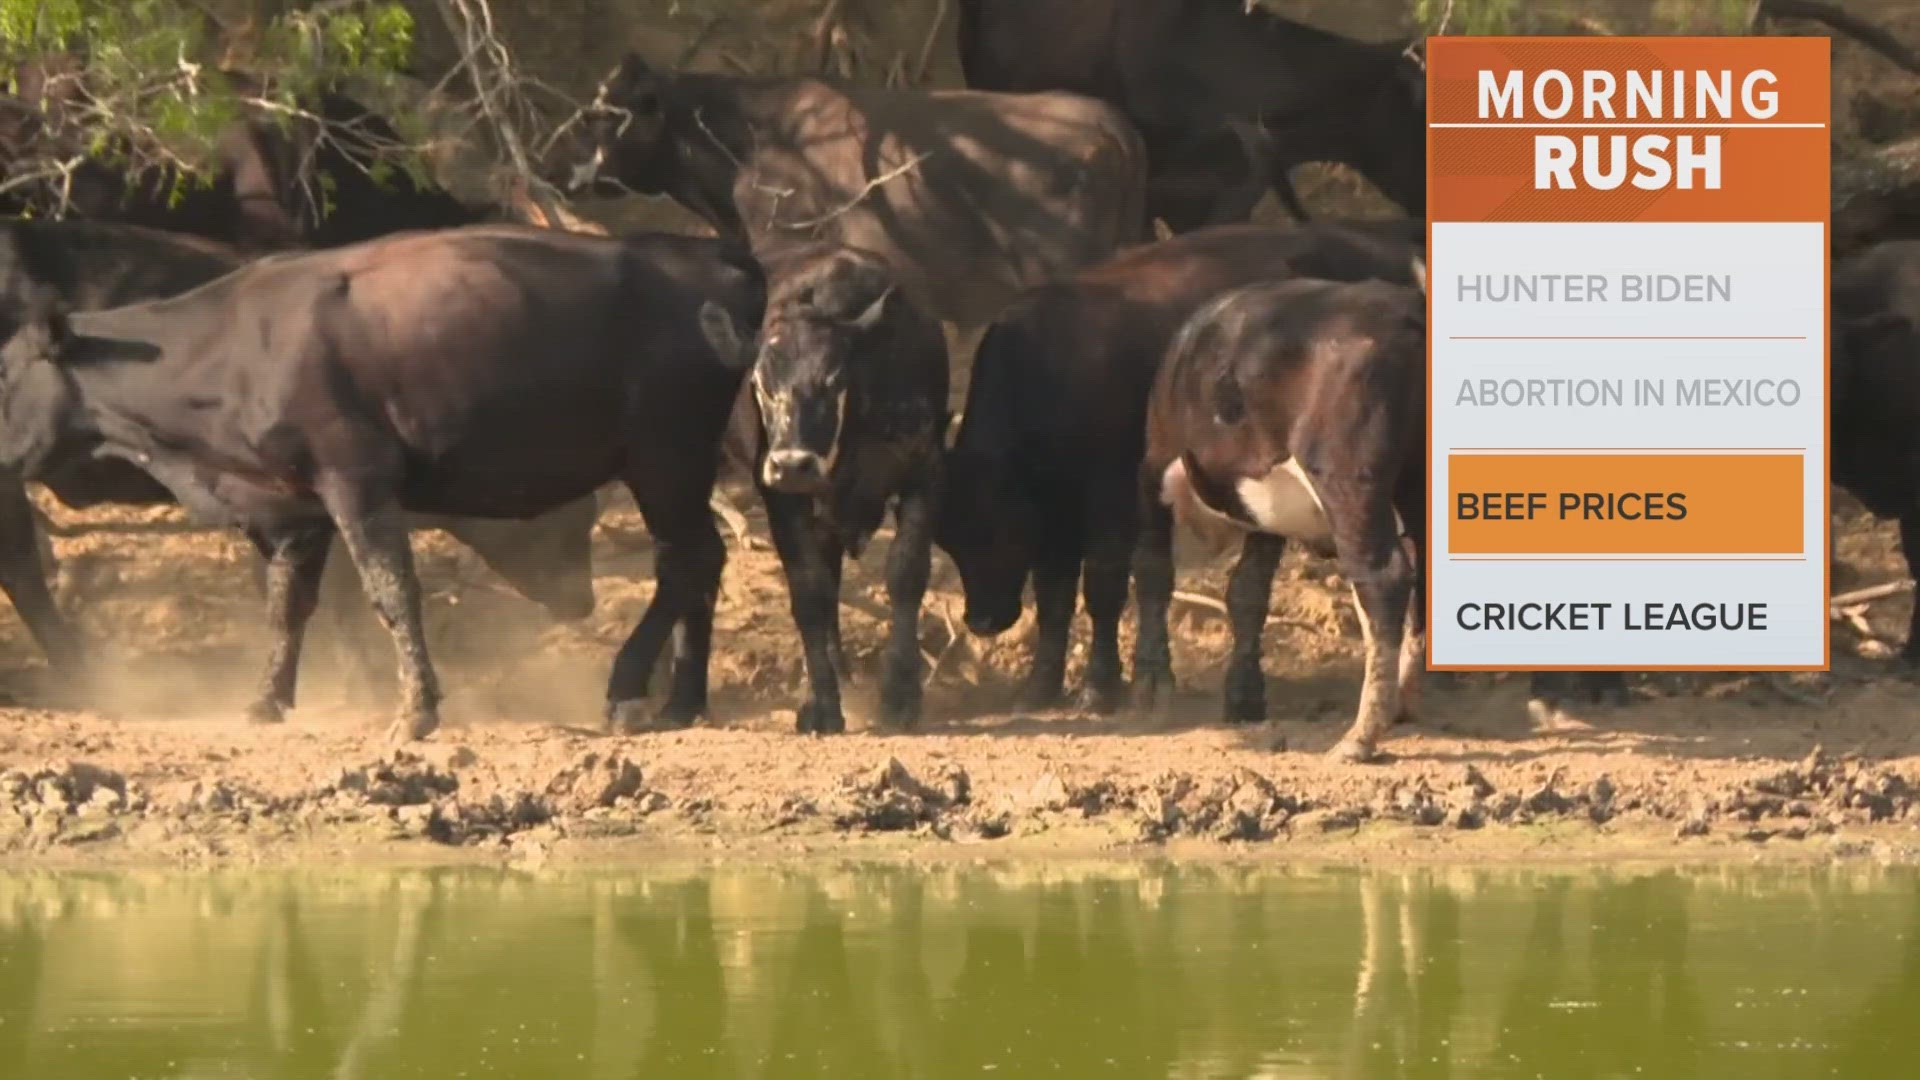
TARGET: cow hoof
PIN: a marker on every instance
(1038, 698)
(266, 711)
(1151, 693)
(679, 714)
(1353, 752)
(409, 727)
(1553, 715)
(820, 719)
(1101, 700)
(900, 708)
(1246, 697)
(634, 717)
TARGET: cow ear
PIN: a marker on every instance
(45, 331)
(871, 317)
(722, 335)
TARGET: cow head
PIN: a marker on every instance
(37, 400)
(623, 128)
(988, 518)
(985, 526)
(820, 311)
(548, 560)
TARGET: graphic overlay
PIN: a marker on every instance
(1627, 353)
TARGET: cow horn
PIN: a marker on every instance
(1420, 272)
(871, 317)
(1416, 51)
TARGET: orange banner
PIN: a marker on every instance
(1599, 129)
(1626, 504)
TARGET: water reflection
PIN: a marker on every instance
(1071, 970)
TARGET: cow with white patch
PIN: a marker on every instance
(1042, 481)
(850, 384)
(1295, 410)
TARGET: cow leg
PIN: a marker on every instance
(376, 536)
(688, 559)
(909, 564)
(1376, 564)
(1910, 545)
(698, 561)
(1055, 587)
(1413, 647)
(24, 578)
(1152, 596)
(810, 553)
(296, 559)
(1249, 597)
(836, 648)
(1104, 581)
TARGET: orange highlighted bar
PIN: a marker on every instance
(1626, 504)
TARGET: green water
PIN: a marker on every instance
(1014, 971)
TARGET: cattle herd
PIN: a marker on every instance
(411, 360)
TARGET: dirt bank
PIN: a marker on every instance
(159, 767)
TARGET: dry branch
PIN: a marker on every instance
(1839, 604)
(861, 196)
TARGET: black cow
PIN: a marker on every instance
(1043, 475)
(1876, 391)
(89, 266)
(1297, 410)
(968, 196)
(493, 371)
(851, 389)
(1227, 100)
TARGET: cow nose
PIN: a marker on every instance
(795, 471)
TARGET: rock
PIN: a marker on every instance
(1253, 796)
(1239, 825)
(88, 830)
(462, 758)
(1504, 806)
(1694, 826)
(402, 778)
(1326, 821)
(1545, 800)
(1466, 817)
(953, 785)
(594, 781)
(888, 798)
(415, 820)
(1047, 793)
(992, 826)
(1472, 780)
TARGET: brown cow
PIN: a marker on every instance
(492, 371)
(1296, 410)
(970, 196)
(849, 386)
(91, 265)
(1043, 476)
(1227, 99)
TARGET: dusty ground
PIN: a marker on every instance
(159, 765)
